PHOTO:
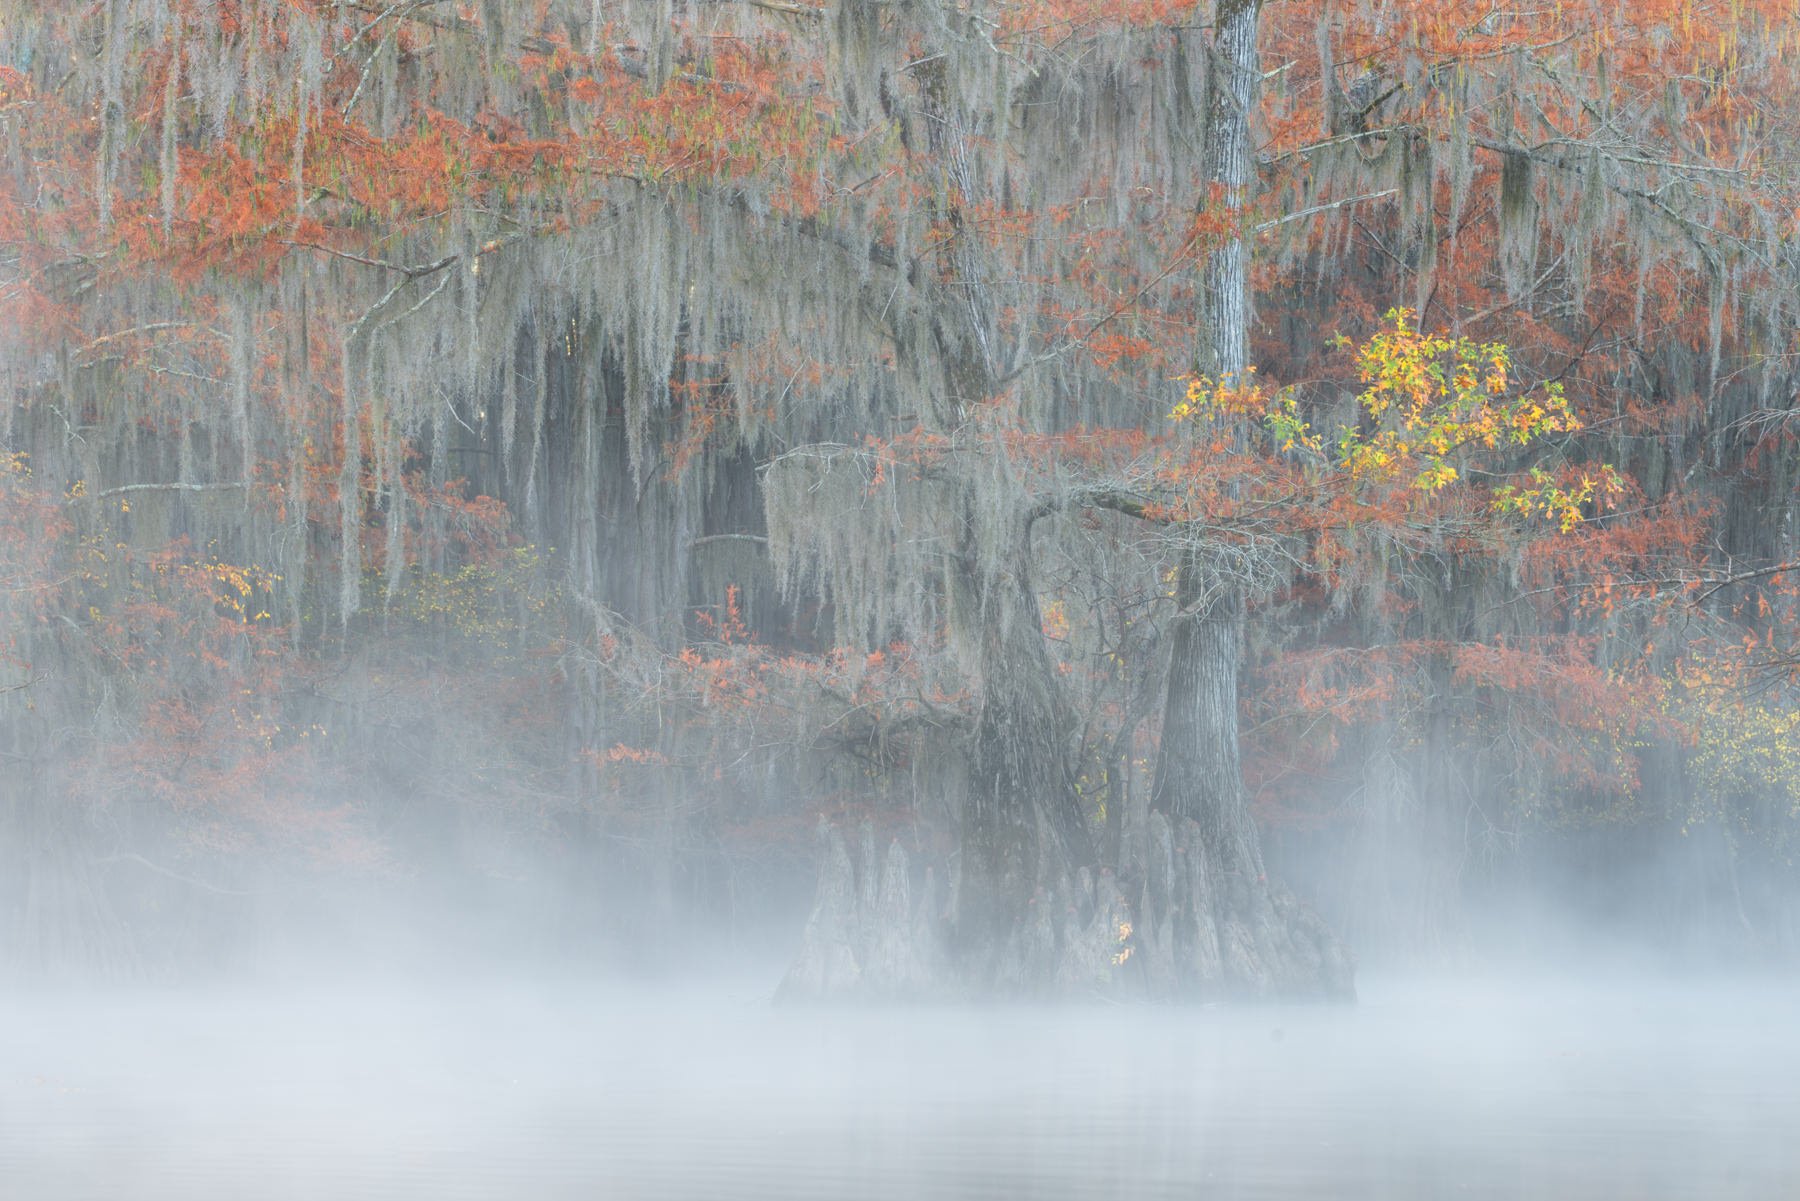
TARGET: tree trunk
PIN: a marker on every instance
(1231, 79)
(1198, 776)
(1029, 913)
(1023, 834)
(1025, 912)
(1218, 923)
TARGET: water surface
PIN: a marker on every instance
(1552, 1092)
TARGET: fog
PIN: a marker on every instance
(485, 1086)
(648, 600)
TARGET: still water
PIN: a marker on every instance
(1552, 1092)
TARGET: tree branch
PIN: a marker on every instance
(1719, 583)
(1316, 209)
(412, 271)
(168, 487)
(163, 871)
(706, 539)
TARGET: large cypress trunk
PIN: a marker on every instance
(1226, 929)
(1198, 776)
(1025, 912)
(1215, 925)
(1022, 831)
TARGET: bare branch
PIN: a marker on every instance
(168, 487)
(1316, 209)
(707, 539)
(1719, 583)
(412, 271)
(131, 857)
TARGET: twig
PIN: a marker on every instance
(163, 871)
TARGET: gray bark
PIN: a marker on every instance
(1230, 91)
(1214, 923)
(1022, 831)
(866, 938)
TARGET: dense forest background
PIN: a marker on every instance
(540, 462)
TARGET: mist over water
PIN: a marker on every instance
(1497, 1087)
(528, 530)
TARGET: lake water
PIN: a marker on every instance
(1551, 1092)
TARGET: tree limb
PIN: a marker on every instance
(168, 487)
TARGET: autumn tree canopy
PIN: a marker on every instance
(608, 438)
